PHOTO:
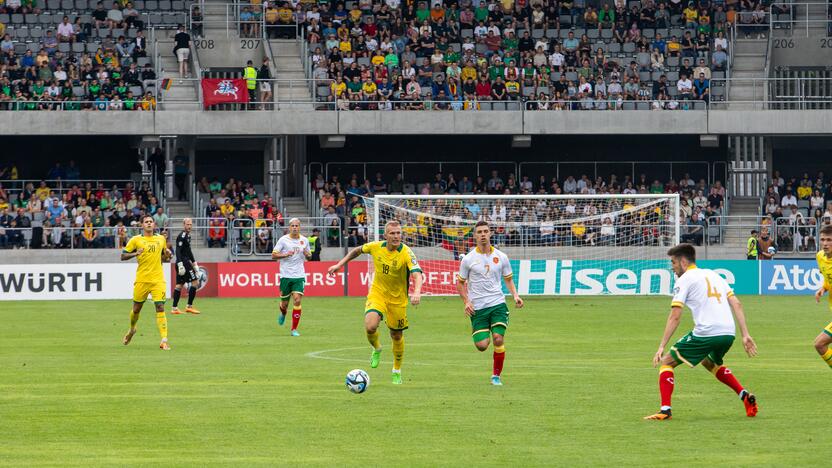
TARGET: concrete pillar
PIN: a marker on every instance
(169, 148)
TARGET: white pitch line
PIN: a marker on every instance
(554, 367)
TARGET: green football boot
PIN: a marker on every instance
(375, 358)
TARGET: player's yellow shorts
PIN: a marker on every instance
(394, 314)
(828, 329)
(155, 290)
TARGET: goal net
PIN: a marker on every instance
(558, 244)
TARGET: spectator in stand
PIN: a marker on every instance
(182, 50)
(719, 59)
(788, 200)
(66, 32)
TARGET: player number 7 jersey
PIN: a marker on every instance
(484, 273)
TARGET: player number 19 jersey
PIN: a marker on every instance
(292, 266)
(484, 273)
(706, 294)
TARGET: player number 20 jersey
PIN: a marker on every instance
(706, 294)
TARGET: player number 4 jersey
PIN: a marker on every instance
(484, 273)
(706, 294)
(292, 266)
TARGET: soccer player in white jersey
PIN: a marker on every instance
(480, 285)
(291, 250)
(711, 301)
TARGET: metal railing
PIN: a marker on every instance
(113, 105)
(708, 169)
(798, 18)
(442, 166)
(230, 22)
(603, 104)
(64, 185)
(256, 238)
(794, 93)
(796, 234)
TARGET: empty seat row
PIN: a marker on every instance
(175, 5)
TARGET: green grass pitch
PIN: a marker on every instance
(237, 390)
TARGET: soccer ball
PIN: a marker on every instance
(357, 381)
(772, 250)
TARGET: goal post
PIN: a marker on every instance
(558, 244)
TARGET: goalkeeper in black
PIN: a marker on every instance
(187, 270)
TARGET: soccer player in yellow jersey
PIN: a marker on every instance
(394, 263)
(150, 250)
(824, 258)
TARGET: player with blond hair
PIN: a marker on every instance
(291, 251)
(394, 264)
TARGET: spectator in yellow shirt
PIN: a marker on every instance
(227, 208)
(284, 14)
(469, 71)
(42, 192)
(804, 191)
(149, 102)
(368, 90)
(674, 47)
(337, 88)
(691, 16)
(345, 46)
(378, 58)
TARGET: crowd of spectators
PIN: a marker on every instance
(570, 54)
(76, 215)
(68, 61)
(257, 214)
(793, 209)
(539, 222)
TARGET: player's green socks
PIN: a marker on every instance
(134, 319)
(398, 353)
(373, 339)
(827, 356)
(162, 324)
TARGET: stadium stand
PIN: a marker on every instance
(550, 55)
(78, 54)
(345, 202)
(67, 211)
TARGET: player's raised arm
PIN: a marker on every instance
(739, 314)
(352, 255)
